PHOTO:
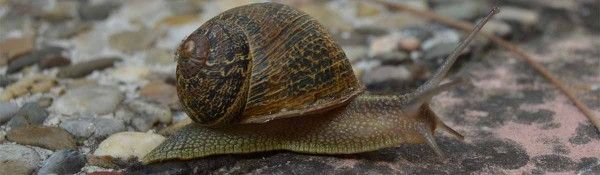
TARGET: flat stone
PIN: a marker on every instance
(441, 44)
(384, 44)
(97, 11)
(463, 10)
(44, 102)
(439, 50)
(162, 93)
(355, 53)
(63, 162)
(59, 11)
(11, 152)
(126, 145)
(173, 21)
(497, 27)
(36, 83)
(82, 69)
(92, 127)
(32, 58)
(131, 41)
(54, 61)
(13, 47)
(365, 9)
(383, 73)
(148, 114)
(131, 73)
(410, 44)
(7, 111)
(52, 138)
(15, 167)
(68, 29)
(326, 16)
(525, 17)
(393, 58)
(89, 99)
(28, 114)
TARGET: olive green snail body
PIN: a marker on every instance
(266, 76)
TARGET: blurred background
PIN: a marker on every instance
(79, 71)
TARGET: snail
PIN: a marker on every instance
(267, 76)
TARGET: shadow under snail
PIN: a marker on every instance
(267, 76)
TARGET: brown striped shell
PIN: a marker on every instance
(260, 62)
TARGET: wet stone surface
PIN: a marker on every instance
(98, 78)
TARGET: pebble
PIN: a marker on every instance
(63, 162)
(37, 83)
(442, 43)
(497, 27)
(162, 93)
(54, 61)
(97, 11)
(30, 157)
(28, 114)
(59, 11)
(383, 73)
(370, 30)
(463, 10)
(5, 80)
(15, 167)
(331, 19)
(409, 44)
(92, 126)
(7, 111)
(126, 145)
(52, 138)
(13, 47)
(68, 29)
(419, 32)
(32, 58)
(89, 99)
(148, 114)
(130, 73)
(44, 102)
(131, 41)
(174, 21)
(364, 9)
(356, 52)
(393, 58)
(525, 17)
(439, 50)
(84, 68)
(384, 44)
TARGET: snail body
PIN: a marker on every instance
(289, 88)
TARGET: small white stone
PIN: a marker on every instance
(89, 99)
(126, 145)
(131, 73)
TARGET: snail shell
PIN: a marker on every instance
(259, 62)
